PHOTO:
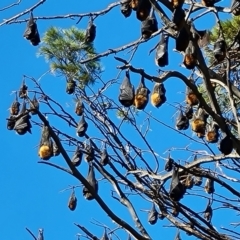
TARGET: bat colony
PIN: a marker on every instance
(186, 42)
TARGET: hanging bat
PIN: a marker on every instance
(23, 90)
(34, 105)
(188, 112)
(178, 236)
(188, 182)
(89, 156)
(11, 122)
(212, 134)
(77, 157)
(190, 56)
(149, 25)
(134, 4)
(31, 32)
(158, 95)
(129, 238)
(126, 96)
(177, 189)
(235, 7)
(182, 122)
(72, 202)
(71, 85)
(90, 32)
(15, 107)
(198, 181)
(105, 236)
(208, 212)
(23, 124)
(191, 97)
(153, 215)
(79, 107)
(225, 145)
(45, 151)
(161, 216)
(182, 40)
(209, 3)
(56, 150)
(219, 50)
(126, 9)
(82, 127)
(104, 157)
(201, 36)
(169, 164)
(143, 9)
(204, 38)
(199, 122)
(178, 18)
(209, 186)
(161, 58)
(92, 181)
(40, 234)
(141, 95)
(175, 210)
(177, 3)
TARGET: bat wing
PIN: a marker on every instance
(77, 157)
(92, 181)
(105, 236)
(153, 215)
(182, 122)
(126, 91)
(182, 40)
(23, 125)
(177, 190)
(82, 127)
(104, 157)
(90, 32)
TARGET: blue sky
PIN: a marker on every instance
(32, 193)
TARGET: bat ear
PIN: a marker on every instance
(153, 215)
